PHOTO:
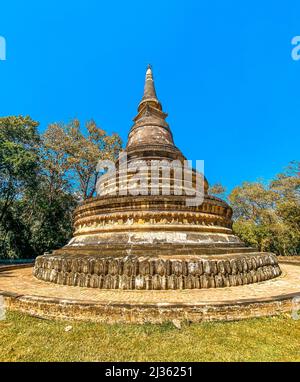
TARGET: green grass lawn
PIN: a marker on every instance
(24, 338)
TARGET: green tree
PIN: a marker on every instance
(19, 140)
(42, 178)
(19, 163)
(77, 154)
(267, 216)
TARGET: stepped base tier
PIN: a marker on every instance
(158, 272)
(157, 241)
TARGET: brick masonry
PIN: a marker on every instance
(24, 293)
(150, 273)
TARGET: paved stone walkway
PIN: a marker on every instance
(21, 281)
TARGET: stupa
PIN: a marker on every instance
(153, 241)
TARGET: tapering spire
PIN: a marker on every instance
(151, 134)
(149, 90)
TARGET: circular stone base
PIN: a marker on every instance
(157, 273)
(24, 293)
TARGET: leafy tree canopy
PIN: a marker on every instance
(42, 178)
(76, 154)
(267, 215)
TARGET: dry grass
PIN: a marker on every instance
(24, 338)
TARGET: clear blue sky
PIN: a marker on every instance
(223, 72)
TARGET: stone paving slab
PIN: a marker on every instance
(25, 293)
(21, 281)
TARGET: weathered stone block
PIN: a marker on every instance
(53, 276)
(140, 282)
(129, 268)
(65, 278)
(144, 268)
(168, 267)
(219, 281)
(239, 279)
(91, 265)
(193, 268)
(156, 282)
(234, 268)
(69, 279)
(148, 282)
(206, 267)
(108, 282)
(244, 265)
(227, 267)
(226, 281)
(211, 283)
(254, 263)
(181, 282)
(113, 267)
(239, 266)
(233, 280)
(60, 279)
(75, 281)
(221, 267)
(190, 282)
(213, 267)
(244, 278)
(172, 282)
(160, 267)
(81, 281)
(85, 266)
(249, 264)
(253, 276)
(249, 278)
(177, 268)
